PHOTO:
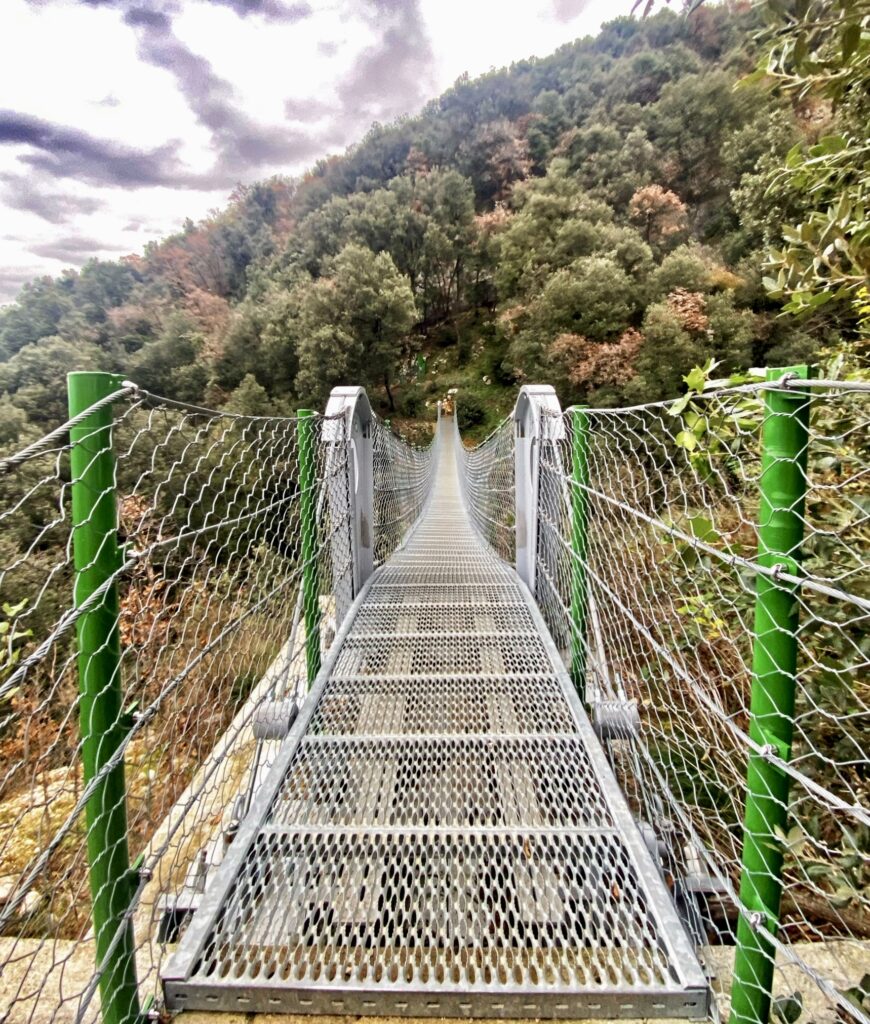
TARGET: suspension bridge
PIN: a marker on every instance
(339, 725)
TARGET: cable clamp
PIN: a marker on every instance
(756, 920)
(777, 570)
(767, 751)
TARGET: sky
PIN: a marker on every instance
(121, 118)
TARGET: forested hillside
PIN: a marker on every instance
(597, 219)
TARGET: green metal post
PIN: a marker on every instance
(771, 711)
(308, 520)
(97, 557)
(579, 546)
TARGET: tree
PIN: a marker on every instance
(818, 50)
(494, 156)
(669, 352)
(40, 307)
(169, 365)
(588, 366)
(823, 52)
(250, 399)
(354, 322)
(685, 267)
(35, 376)
(556, 221)
(661, 215)
(262, 340)
(592, 297)
(549, 119)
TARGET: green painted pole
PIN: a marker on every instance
(579, 546)
(308, 519)
(771, 712)
(96, 558)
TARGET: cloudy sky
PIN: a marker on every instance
(119, 118)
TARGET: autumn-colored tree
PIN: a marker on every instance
(495, 156)
(660, 213)
(691, 310)
(589, 364)
(417, 162)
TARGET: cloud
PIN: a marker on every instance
(22, 193)
(568, 10)
(12, 279)
(73, 249)
(63, 152)
(394, 73)
(148, 17)
(390, 76)
(58, 151)
(272, 10)
(241, 144)
(306, 110)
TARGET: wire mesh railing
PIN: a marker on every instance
(159, 564)
(403, 476)
(703, 566)
(168, 577)
(486, 476)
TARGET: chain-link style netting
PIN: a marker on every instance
(668, 566)
(204, 608)
(486, 476)
(403, 475)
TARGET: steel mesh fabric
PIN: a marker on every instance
(209, 633)
(402, 482)
(672, 494)
(486, 475)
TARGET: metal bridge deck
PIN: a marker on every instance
(441, 833)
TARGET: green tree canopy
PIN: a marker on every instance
(353, 323)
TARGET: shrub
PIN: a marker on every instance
(470, 411)
(412, 403)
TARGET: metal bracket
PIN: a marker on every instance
(537, 420)
(616, 720)
(351, 406)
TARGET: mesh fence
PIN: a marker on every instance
(668, 566)
(486, 476)
(210, 639)
(403, 475)
(202, 612)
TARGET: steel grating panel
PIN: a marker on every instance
(431, 654)
(397, 593)
(453, 909)
(404, 705)
(424, 782)
(440, 833)
(423, 617)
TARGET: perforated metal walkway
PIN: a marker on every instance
(441, 833)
